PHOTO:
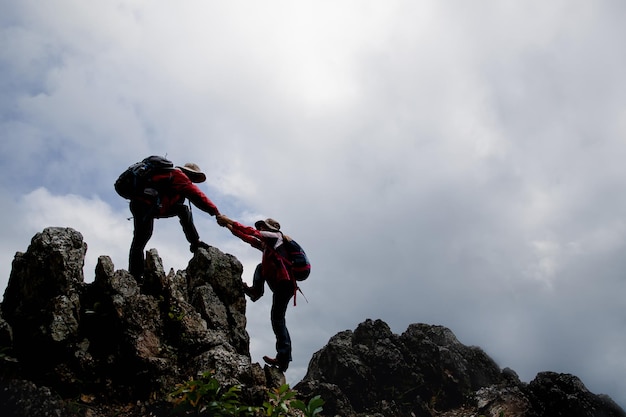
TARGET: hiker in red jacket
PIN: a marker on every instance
(173, 186)
(266, 236)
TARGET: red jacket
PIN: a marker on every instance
(174, 187)
(272, 265)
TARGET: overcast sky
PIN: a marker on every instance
(444, 162)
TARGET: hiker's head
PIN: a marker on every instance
(267, 224)
(194, 172)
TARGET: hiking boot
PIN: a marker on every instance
(282, 365)
(251, 292)
(199, 244)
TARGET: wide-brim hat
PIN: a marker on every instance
(271, 224)
(194, 172)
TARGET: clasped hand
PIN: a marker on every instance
(223, 220)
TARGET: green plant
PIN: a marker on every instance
(279, 401)
(205, 396)
(282, 402)
(313, 408)
(175, 313)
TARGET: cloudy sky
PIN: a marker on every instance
(446, 162)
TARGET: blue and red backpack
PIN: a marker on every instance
(295, 258)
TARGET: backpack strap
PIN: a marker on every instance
(287, 264)
(294, 295)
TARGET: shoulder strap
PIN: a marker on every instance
(287, 263)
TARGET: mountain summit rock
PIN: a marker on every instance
(426, 371)
(116, 346)
(117, 341)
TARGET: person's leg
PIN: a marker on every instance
(191, 233)
(282, 294)
(186, 221)
(258, 285)
(143, 228)
(258, 282)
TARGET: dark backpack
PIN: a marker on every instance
(296, 258)
(136, 181)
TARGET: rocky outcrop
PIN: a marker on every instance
(115, 341)
(426, 371)
(116, 346)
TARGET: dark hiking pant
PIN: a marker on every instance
(258, 283)
(143, 217)
(282, 293)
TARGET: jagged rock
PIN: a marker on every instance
(426, 371)
(565, 395)
(503, 401)
(25, 399)
(6, 333)
(425, 368)
(42, 299)
(116, 339)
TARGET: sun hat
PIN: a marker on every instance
(193, 171)
(271, 224)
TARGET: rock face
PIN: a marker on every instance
(117, 340)
(426, 371)
(117, 347)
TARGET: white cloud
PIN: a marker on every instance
(102, 229)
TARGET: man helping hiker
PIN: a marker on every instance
(276, 271)
(156, 190)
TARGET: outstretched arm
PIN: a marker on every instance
(247, 234)
(200, 200)
(183, 186)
